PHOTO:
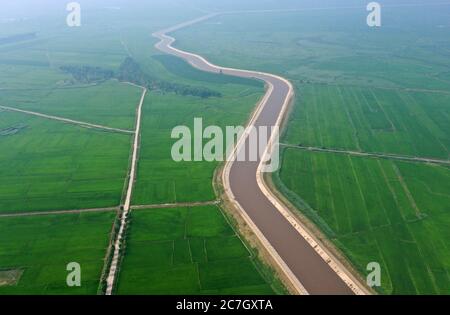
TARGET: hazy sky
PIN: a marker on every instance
(17, 9)
(29, 8)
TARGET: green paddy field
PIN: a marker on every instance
(357, 89)
(48, 165)
(160, 179)
(188, 251)
(382, 90)
(38, 249)
(394, 213)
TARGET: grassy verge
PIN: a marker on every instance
(371, 209)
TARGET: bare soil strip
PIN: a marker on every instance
(66, 120)
(370, 154)
(137, 207)
(10, 277)
(54, 212)
(126, 208)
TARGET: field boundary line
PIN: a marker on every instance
(53, 212)
(176, 205)
(113, 269)
(369, 154)
(350, 120)
(66, 120)
(406, 190)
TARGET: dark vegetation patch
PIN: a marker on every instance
(181, 68)
(17, 38)
(131, 71)
(12, 130)
(87, 74)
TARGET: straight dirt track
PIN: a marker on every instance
(111, 279)
(309, 270)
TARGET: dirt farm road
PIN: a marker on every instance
(111, 279)
(66, 120)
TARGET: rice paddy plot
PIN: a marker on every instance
(376, 210)
(371, 120)
(187, 251)
(111, 103)
(35, 252)
(159, 178)
(357, 89)
(49, 165)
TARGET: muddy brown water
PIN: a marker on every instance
(310, 269)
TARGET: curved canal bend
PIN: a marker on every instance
(305, 267)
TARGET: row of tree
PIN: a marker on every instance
(131, 71)
(87, 74)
